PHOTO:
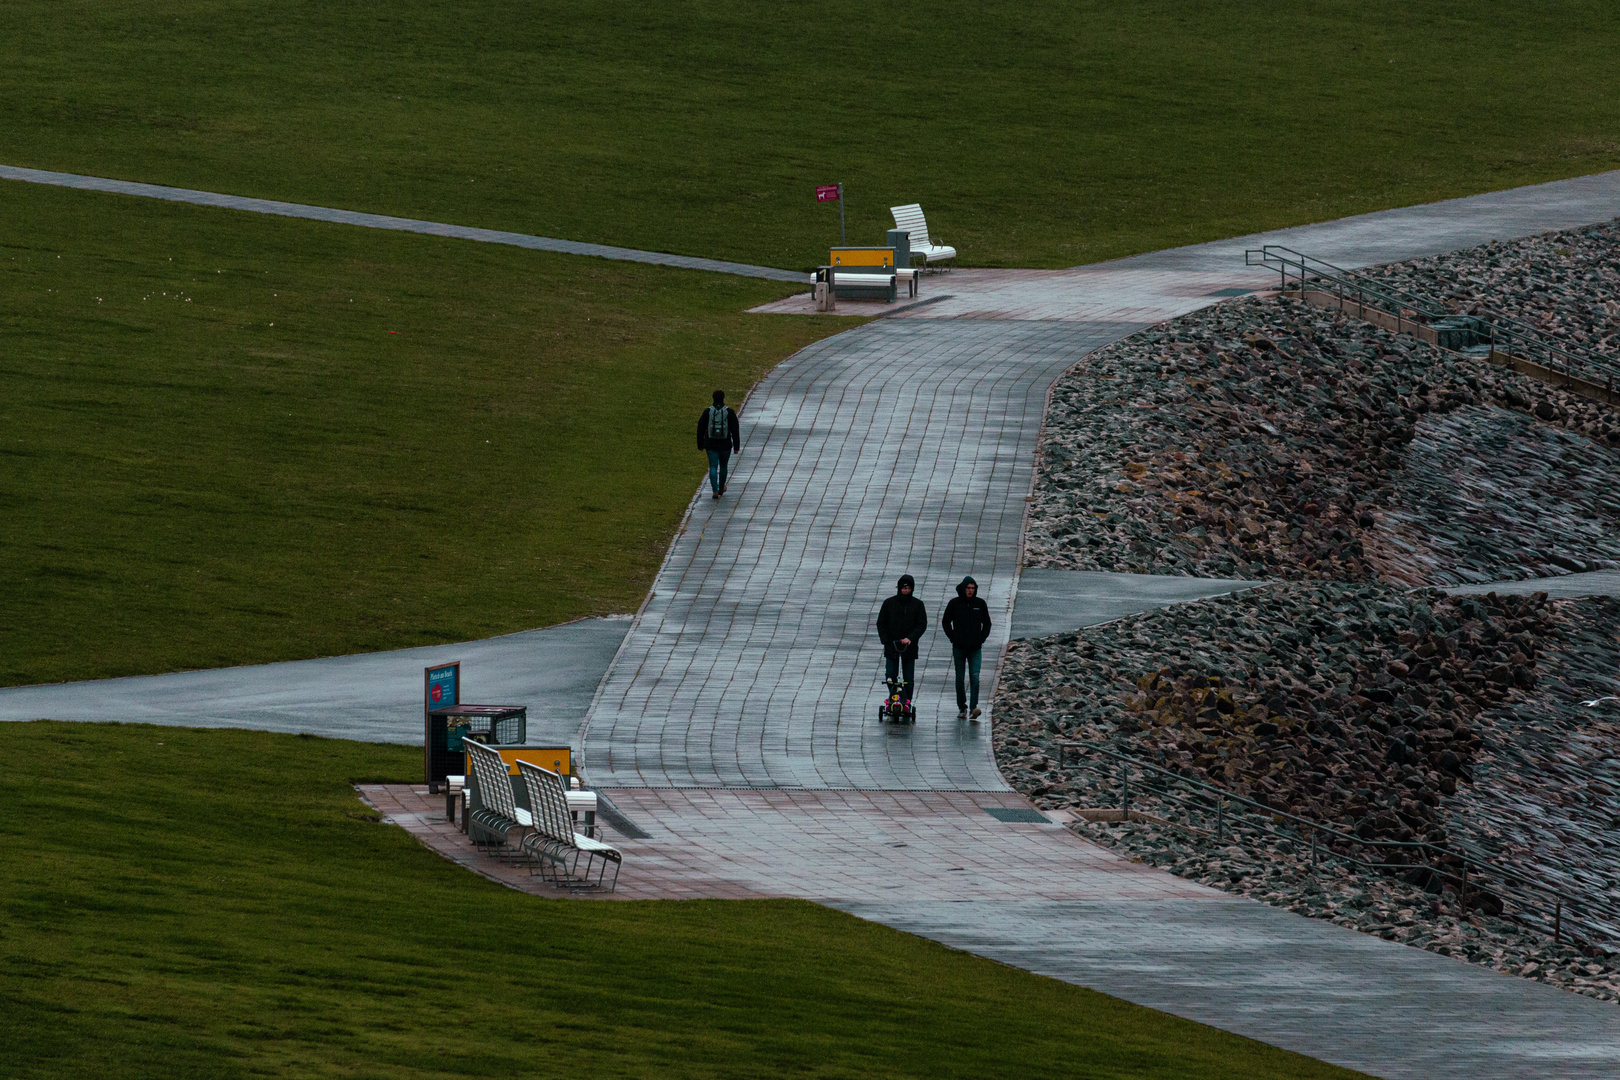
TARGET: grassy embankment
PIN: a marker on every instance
(232, 438)
(218, 903)
(1044, 133)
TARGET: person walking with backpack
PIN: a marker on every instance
(901, 621)
(719, 435)
(967, 623)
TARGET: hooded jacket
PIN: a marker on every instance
(967, 620)
(902, 617)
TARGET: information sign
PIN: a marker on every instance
(834, 193)
(441, 686)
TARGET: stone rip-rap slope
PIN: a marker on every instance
(1265, 438)
(1564, 283)
(1389, 713)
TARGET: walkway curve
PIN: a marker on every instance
(907, 445)
(898, 447)
(398, 224)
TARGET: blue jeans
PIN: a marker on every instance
(718, 459)
(970, 662)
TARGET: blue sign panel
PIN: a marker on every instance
(441, 686)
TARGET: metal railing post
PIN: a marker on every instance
(1220, 818)
(1125, 791)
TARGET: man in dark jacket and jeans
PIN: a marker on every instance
(967, 624)
(900, 622)
(719, 435)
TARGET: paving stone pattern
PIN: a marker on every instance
(940, 865)
(1409, 232)
(384, 221)
(825, 845)
(1595, 583)
(895, 448)
(1288, 981)
(1080, 294)
(773, 600)
(1055, 601)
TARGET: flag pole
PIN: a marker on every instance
(843, 237)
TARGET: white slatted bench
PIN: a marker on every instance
(492, 811)
(555, 848)
(910, 218)
(498, 809)
(879, 280)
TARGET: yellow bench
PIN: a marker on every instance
(876, 257)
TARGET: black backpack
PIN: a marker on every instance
(719, 430)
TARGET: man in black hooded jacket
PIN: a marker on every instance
(967, 624)
(901, 621)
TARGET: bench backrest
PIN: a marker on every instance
(873, 258)
(910, 218)
(548, 802)
(493, 789)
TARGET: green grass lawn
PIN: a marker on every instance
(187, 903)
(232, 438)
(1035, 132)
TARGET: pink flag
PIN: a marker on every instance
(827, 193)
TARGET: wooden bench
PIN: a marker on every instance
(554, 847)
(863, 270)
(910, 218)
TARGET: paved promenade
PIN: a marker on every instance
(1594, 583)
(904, 445)
(372, 697)
(1333, 993)
(896, 448)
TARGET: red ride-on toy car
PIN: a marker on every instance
(897, 707)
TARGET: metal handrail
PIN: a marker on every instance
(1508, 336)
(1450, 866)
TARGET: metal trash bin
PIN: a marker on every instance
(447, 727)
(900, 240)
